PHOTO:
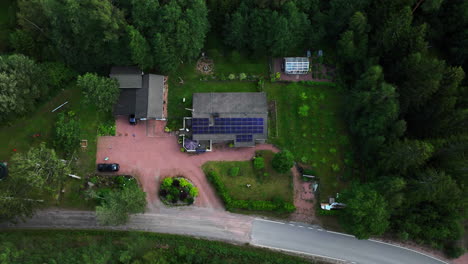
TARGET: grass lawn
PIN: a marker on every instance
(7, 22)
(274, 185)
(19, 135)
(319, 140)
(79, 246)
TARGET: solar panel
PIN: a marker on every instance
(244, 138)
(228, 126)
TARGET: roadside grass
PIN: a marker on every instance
(19, 136)
(7, 22)
(262, 187)
(99, 246)
(320, 140)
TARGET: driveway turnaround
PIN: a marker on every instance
(149, 154)
(313, 240)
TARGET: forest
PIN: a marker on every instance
(402, 64)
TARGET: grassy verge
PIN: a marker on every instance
(52, 246)
(320, 139)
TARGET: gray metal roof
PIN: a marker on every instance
(231, 105)
(129, 77)
(144, 100)
(155, 96)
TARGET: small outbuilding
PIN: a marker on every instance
(296, 65)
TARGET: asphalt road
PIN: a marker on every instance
(221, 225)
(301, 238)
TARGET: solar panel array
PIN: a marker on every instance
(244, 138)
(228, 126)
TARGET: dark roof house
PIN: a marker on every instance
(140, 94)
(238, 117)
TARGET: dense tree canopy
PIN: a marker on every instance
(100, 91)
(85, 35)
(175, 31)
(365, 213)
(32, 174)
(21, 85)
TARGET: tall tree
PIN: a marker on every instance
(365, 213)
(374, 113)
(140, 49)
(85, 34)
(175, 30)
(100, 91)
(118, 204)
(22, 83)
(405, 155)
(33, 175)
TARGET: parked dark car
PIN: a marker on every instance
(108, 167)
(132, 120)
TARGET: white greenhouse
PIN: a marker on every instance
(296, 65)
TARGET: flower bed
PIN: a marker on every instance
(177, 191)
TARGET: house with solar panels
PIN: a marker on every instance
(237, 118)
(296, 65)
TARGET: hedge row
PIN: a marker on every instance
(258, 205)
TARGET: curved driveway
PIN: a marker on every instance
(221, 225)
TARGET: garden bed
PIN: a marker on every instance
(177, 191)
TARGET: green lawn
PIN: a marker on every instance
(7, 22)
(262, 188)
(79, 246)
(319, 140)
(19, 136)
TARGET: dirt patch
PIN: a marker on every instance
(205, 66)
(304, 200)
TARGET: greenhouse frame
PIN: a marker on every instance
(296, 65)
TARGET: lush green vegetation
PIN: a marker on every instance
(7, 22)
(177, 191)
(320, 140)
(400, 66)
(252, 184)
(103, 247)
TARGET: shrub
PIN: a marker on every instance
(259, 163)
(453, 251)
(303, 96)
(335, 167)
(242, 76)
(304, 110)
(232, 76)
(260, 85)
(167, 183)
(106, 129)
(283, 161)
(193, 191)
(67, 132)
(234, 171)
(178, 189)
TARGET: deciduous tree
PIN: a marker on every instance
(100, 91)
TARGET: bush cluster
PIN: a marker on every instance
(277, 205)
(178, 189)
